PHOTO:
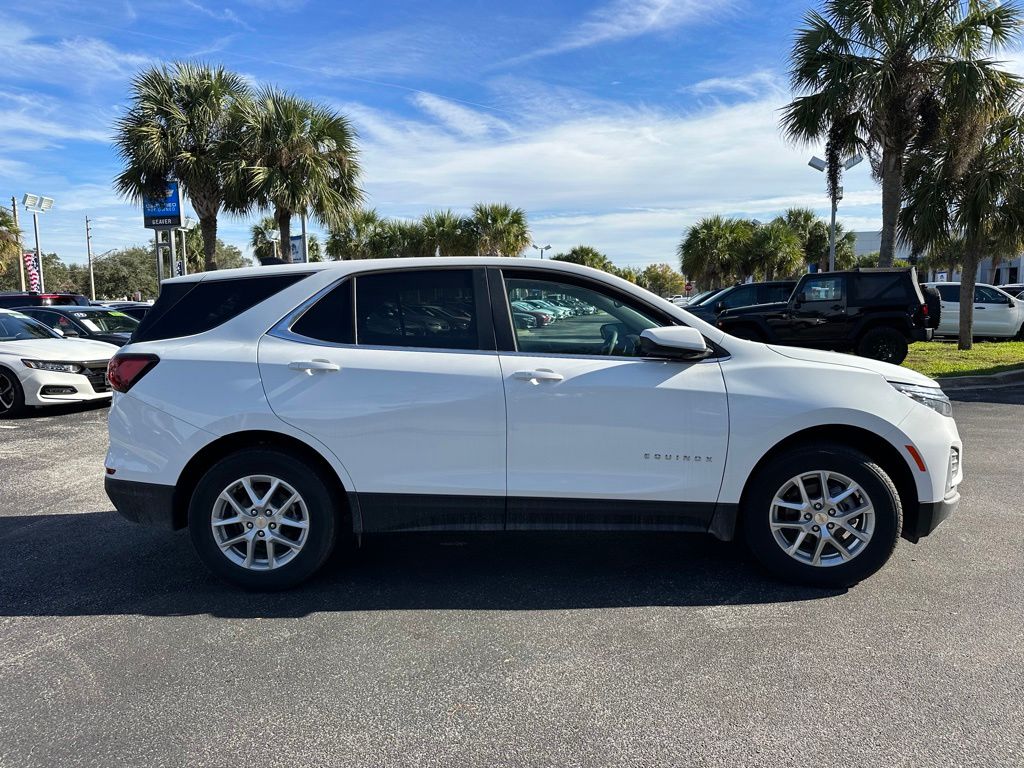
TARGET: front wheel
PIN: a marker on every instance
(12, 397)
(885, 344)
(262, 519)
(825, 516)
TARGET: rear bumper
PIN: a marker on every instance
(929, 515)
(922, 334)
(143, 503)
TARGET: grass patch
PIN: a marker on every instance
(939, 358)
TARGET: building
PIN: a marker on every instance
(1008, 271)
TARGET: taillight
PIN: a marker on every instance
(924, 310)
(125, 369)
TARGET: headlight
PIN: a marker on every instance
(46, 365)
(933, 397)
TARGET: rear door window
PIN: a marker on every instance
(768, 294)
(742, 296)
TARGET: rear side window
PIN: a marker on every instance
(743, 296)
(331, 319)
(881, 287)
(950, 293)
(768, 294)
(431, 308)
(185, 309)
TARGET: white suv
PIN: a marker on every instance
(273, 410)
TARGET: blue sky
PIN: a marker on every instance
(615, 123)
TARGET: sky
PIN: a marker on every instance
(613, 123)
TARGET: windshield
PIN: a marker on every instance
(708, 298)
(21, 328)
(110, 321)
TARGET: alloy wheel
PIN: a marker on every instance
(260, 522)
(822, 518)
(7, 395)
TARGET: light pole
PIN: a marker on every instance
(37, 204)
(274, 236)
(820, 165)
(88, 250)
(187, 226)
(541, 250)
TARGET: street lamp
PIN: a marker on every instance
(541, 250)
(37, 204)
(820, 165)
(187, 226)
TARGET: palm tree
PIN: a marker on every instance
(813, 233)
(773, 250)
(587, 256)
(395, 239)
(351, 238)
(300, 157)
(500, 229)
(447, 234)
(180, 123)
(10, 239)
(713, 248)
(260, 239)
(872, 74)
(966, 194)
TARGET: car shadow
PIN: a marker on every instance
(96, 563)
(62, 409)
(1011, 394)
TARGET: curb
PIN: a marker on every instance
(987, 381)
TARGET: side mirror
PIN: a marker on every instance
(674, 342)
(720, 307)
(58, 331)
(1012, 303)
(800, 298)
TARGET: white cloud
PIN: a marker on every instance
(225, 14)
(461, 119)
(624, 19)
(753, 85)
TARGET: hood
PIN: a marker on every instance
(888, 370)
(61, 350)
(754, 309)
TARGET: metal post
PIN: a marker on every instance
(21, 243)
(832, 236)
(174, 254)
(305, 239)
(39, 252)
(88, 250)
(159, 259)
(184, 251)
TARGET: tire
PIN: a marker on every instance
(885, 344)
(768, 542)
(12, 396)
(310, 546)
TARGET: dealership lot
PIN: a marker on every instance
(118, 647)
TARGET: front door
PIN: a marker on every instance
(818, 313)
(597, 435)
(408, 397)
(993, 315)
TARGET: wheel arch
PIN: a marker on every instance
(876, 447)
(216, 450)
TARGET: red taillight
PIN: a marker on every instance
(124, 370)
(924, 310)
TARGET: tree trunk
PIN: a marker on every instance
(208, 226)
(892, 194)
(967, 281)
(284, 225)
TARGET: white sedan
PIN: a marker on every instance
(39, 367)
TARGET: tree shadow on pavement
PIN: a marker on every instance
(96, 563)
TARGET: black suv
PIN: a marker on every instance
(741, 296)
(873, 312)
(12, 299)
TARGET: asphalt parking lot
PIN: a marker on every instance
(119, 649)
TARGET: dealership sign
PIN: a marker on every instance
(164, 210)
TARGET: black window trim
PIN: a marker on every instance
(505, 329)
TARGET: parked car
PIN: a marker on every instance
(39, 368)
(523, 320)
(683, 301)
(300, 425)
(1014, 289)
(543, 317)
(546, 306)
(13, 299)
(136, 309)
(744, 295)
(96, 323)
(876, 313)
(996, 313)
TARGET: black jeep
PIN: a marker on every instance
(873, 312)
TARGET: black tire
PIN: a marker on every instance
(885, 344)
(321, 507)
(872, 479)
(11, 391)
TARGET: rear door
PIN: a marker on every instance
(414, 409)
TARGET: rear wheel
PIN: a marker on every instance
(825, 516)
(885, 344)
(12, 397)
(262, 519)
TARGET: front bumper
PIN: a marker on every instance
(49, 387)
(929, 515)
(144, 503)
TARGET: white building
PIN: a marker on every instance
(1008, 271)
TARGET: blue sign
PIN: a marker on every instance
(164, 211)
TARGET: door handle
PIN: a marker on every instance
(541, 374)
(979, 307)
(309, 366)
